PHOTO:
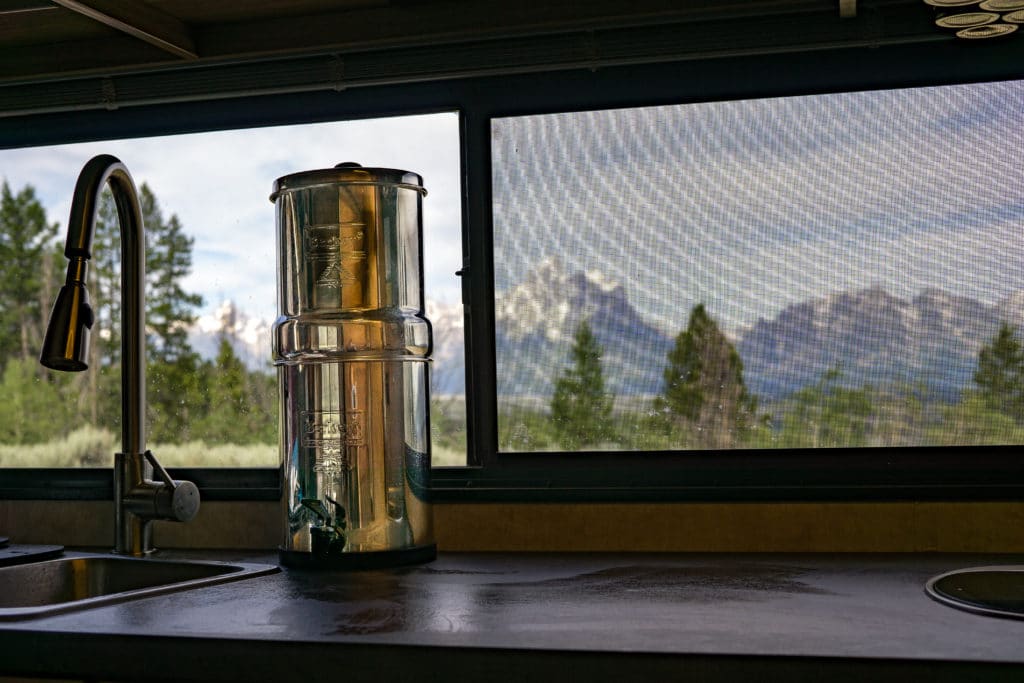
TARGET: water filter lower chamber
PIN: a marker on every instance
(358, 445)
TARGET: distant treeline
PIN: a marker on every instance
(704, 404)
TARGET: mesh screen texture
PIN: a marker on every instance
(825, 271)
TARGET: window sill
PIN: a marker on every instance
(911, 527)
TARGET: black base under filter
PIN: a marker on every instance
(380, 559)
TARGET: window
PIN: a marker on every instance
(840, 270)
(212, 391)
(556, 165)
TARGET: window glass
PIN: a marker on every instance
(823, 271)
(212, 391)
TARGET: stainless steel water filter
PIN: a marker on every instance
(352, 347)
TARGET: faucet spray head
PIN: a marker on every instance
(66, 345)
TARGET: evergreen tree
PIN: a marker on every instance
(704, 398)
(25, 252)
(32, 410)
(238, 410)
(829, 415)
(173, 368)
(175, 386)
(973, 421)
(580, 408)
(100, 385)
(1000, 373)
(176, 397)
(105, 282)
(228, 407)
(170, 310)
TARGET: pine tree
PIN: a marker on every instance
(176, 397)
(704, 398)
(240, 409)
(100, 386)
(105, 281)
(170, 310)
(173, 367)
(1000, 373)
(32, 410)
(830, 415)
(228, 407)
(25, 252)
(175, 387)
(580, 408)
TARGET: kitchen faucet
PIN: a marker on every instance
(138, 499)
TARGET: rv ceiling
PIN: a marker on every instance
(73, 54)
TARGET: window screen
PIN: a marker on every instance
(836, 270)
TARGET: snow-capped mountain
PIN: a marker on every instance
(871, 336)
(448, 371)
(536, 321)
(249, 336)
(874, 338)
(554, 300)
(1011, 309)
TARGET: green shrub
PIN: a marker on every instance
(200, 454)
(91, 447)
(87, 446)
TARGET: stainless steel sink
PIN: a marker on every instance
(80, 580)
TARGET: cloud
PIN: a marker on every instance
(749, 206)
(746, 205)
(219, 183)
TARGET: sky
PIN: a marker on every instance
(750, 206)
(746, 206)
(218, 184)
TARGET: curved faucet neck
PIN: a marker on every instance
(107, 169)
(138, 500)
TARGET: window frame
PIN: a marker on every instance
(855, 474)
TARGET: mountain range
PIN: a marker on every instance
(249, 336)
(870, 335)
(536, 320)
(874, 338)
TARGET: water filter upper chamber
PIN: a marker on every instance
(352, 346)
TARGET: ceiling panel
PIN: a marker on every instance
(20, 26)
(207, 12)
(113, 53)
(83, 36)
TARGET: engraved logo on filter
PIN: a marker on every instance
(329, 432)
(326, 246)
(322, 426)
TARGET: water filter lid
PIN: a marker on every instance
(347, 173)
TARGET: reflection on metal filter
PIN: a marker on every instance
(351, 345)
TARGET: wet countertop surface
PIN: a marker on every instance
(548, 616)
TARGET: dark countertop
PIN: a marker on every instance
(539, 616)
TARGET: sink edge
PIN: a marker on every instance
(236, 571)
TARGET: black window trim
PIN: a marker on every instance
(982, 473)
